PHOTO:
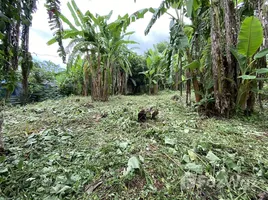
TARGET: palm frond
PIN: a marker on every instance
(161, 10)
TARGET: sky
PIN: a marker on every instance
(40, 32)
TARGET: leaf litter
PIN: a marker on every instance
(69, 149)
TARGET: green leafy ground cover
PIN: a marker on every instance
(74, 149)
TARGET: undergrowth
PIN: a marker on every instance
(74, 149)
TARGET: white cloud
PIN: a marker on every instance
(40, 32)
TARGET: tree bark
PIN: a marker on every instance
(176, 87)
(263, 16)
(2, 148)
(223, 72)
(230, 69)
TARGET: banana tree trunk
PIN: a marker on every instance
(86, 80)
(180, 76)
(150, 83)
(125, 83)
(156, 88)
(176, 86)
(263, 16)
(2, 148)
(188, 88)
(223, 88)
(231, 66)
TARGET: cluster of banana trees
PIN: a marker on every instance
(103, 47)
(155, 62)
(219, 52)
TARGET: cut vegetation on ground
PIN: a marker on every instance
(74, 149)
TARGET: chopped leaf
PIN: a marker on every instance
(212, 157)
(194, 168)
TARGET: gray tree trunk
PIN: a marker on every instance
(231, 68)
(2, 148)
(224, 69)
(217, 60)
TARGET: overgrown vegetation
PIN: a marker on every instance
(196, 148)
(99, 151)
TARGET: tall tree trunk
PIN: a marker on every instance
(263, 16)
(180, 76)
(125, 83)
(2, 148)
(230, 69)
(176, 86)
(188, 88)
(27, 62)
(86, 76)
(222, 68)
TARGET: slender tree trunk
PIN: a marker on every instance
(125, 84)
(155, 88)
(188, 88)
(2, 148)
(180, 76)
(150, 83)
(176, 86)
(263, 16)
(25, 88)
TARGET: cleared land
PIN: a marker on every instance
(74, 149)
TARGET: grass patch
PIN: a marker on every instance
(74, 149)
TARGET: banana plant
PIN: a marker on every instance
(249, 41)
(155, 70)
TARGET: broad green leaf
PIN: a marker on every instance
(76, 20)
(212, 157)
(261, 53)
(52, 41)
(262, 71)
(247, 77)
(64, 19)
(250, 37)
(222, 176)
(133, 163)
(194, 168)
(242, 60)
(189, 5)
(186, 158)
(193, 65)
(123, 145)
(170, 141)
